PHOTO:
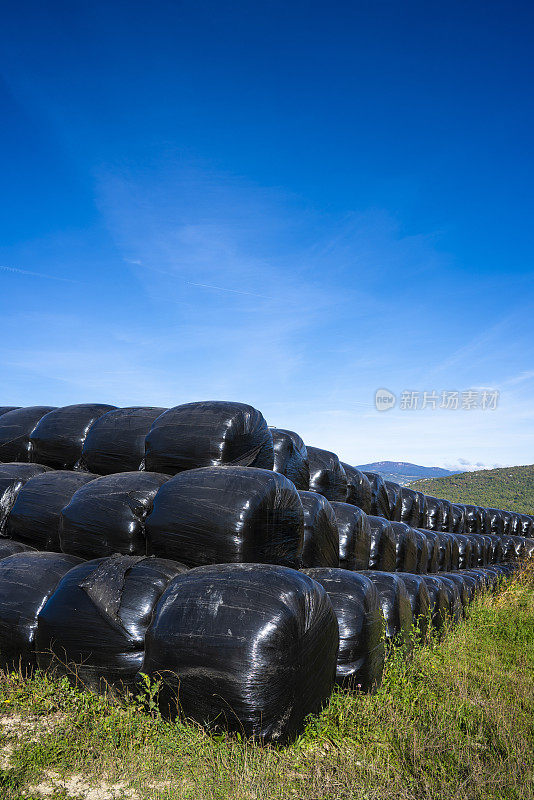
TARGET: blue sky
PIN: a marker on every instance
(288, 204)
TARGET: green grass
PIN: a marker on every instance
(457, 721)
(509, 488)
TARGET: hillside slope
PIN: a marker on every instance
(510, 488)
(403, 472)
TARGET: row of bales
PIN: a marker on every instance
(246, 571)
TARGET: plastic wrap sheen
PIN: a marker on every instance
(58, 437)
(383, 554)
(15, 429)
(116, 441)
(405, 547)
(291, 457)
(327, 476)
(358, 488)
(354, 536)
(321, 535)
(12, 479)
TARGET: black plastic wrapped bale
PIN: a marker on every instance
(107, 515)
(291, 457)
(395, 500)
(527, 526)
(58, 437)
(455, 550)
(422, 510)
(433, 550)
(36, 514)
(473, 519)
(93, 626)
(410, 507)
(488, 548)
(434, 514)
(249, 648)
(6, 409)
(321, 535)
(361, 654)
(419, 601)
(26, 582)
(495, 549)
(528, 548)
(507, 523)
(515, 524)
(496, 521)
(208, 434)
(379, 495)
(221, 515)
(439, 601)
(456, 609)
(481, 549)
(479, 576)
(457, 519)
(447, 521)
(395, 604)
(354, 536)
(12, 479)
(519, 546)
(477, 550)
(358, 488)
(405, 547)
(327, 476)
(445, 552)
(496, 576)
(383, 554)
(423, 552)
(463, 588)
(15, 429)
(8, 548)
(116, 441)
(464, 551)
(470, 582)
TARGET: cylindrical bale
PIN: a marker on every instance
(354, 536)
(447, 523)
(116, 441)
(457, 518)
(445, 552)
(218, 515)
(360, 658)
(434, 514)
(470, 583)
(36, 514)
(396, 608)
(321, 534)
(473, 519)
(208, 434)
(439, 601)
(508, 548)
(383, 545)
(527, 526)
(379, 495)
(107, 515)
(477, 550)
(12, 479)
(358, 488)
(462, 584)
(395, 500)
(327, 476)
(58, 437)
(507, 522)
(496, 521)
(419, 601)
(8, 548)
(433, 550)
(27, 580)
(423, 552)
(515, 524)
(5, 409)
(266, 641)
(405, 547)
(465, 548)
(455, 602)
(481, 577)
(92, 628)
(15, 430)
(422, 510)
(291, 457)
(528, 547)
(410, 507)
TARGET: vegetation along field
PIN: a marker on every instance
(456, 721)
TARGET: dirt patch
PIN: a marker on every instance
(76, 786)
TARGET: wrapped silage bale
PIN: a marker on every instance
(477, 550)
(508, 548)
(496, 521)
(464, 589)
(291, 457)
(5, 409)
(321, 535)
(8, 548)
(15, 429)
(250, 648)
(445, 552)
(361, 654)
(434, 514)
(470, 584)
(12, 479)
(515, 524)
(116, 441)
(36, 513)
(327, 476)
(58, 437)
(479, 576)
(217, 515)
(528, 548)
(92, 628)
(410, 507)
(527, 526)
(419, 601)
(473, 519)
(108, 514)
(354, 536)
(208, 434)
(396, 608)
(433, 550)
(405, 547)
(456, 609)
(455, 550)
(457, 518)
(358, 488)
(482, 549)
(422, 510)
(439, 601)
(424, 551)
(507, 521)
(27, 580)
(464, 551)
(379, 495)
(383, 555)
(447, 522)
(395, 500)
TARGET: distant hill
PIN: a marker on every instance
(510, 488)
(402, 472)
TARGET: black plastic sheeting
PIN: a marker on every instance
(433, 550)
(447, 522)
(321, 535)
(470, 583)
(36, 514)
(379, 495)
(116, 441)
(410, 507)
(12, 479)
(422, 510)
(419, 601)
(291, 457)
(361, 654)
(26, 582)
(396, 607)
(208, 434)
(473, 519)
(515, 524)
(107, 515)
(477, 550)
(219, 515)
(464, 551)
(93, 627)
(455, 550)
(439, 601)
(462, 586)
(358, 488)
(445, 552)
(250, 648)
(457, 518)
(527, 526)
(15, 429)
(507, 519)
(383, 554)
(405, 547)
(455, 602)
(424, 552)
(434, 514)
(327, 476)
(395, 500)
(9, 548)
(494, 522)
(354, 536)
(58, 437)
(5, 409)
